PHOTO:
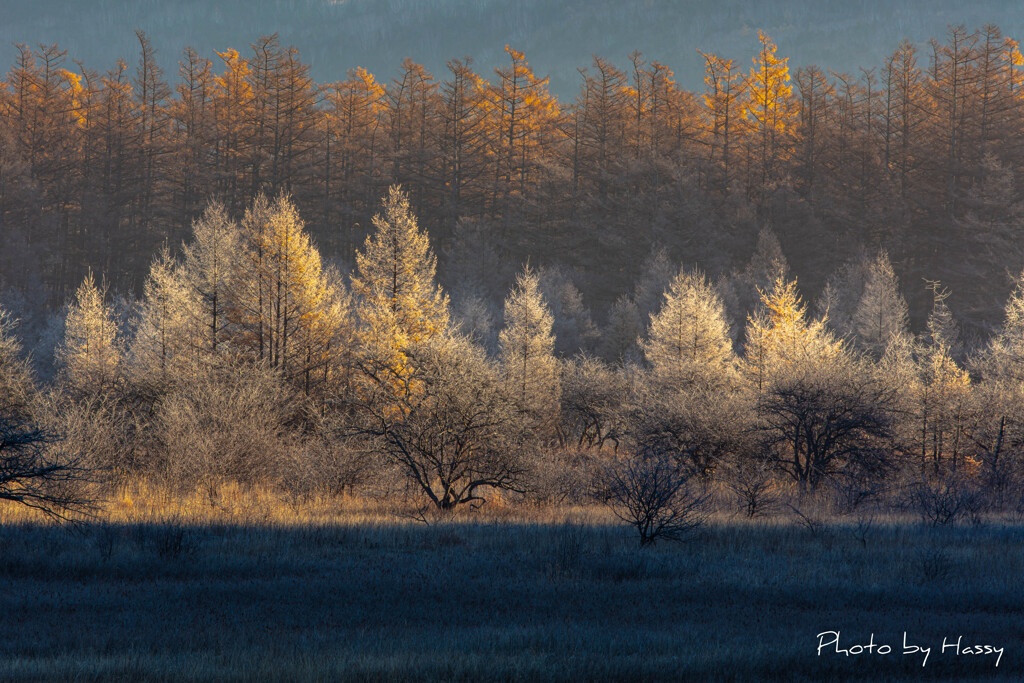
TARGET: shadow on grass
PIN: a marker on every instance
(501, 601)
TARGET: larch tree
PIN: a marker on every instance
(688, 406)
(208, 263)
(1004, 358)
(461, 140)
(282, 308)
(523, 121)
(688, 341)
(942, 402)
(161, 350)
(91, 354)
(882, 310)
(527, 352)
(998, 429)
(398, 302)
(779, 335)
(192, 123)
(771, 112)
(234, 105)
(724, 90)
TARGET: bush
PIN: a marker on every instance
(228, 425)
(946, 500)
(656, 496)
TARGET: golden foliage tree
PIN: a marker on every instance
(771, 113)
(398, 301)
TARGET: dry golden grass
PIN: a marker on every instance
(145, 502)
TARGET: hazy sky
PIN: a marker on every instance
(558, 37)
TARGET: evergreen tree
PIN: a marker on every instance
(527, 351)
(398, 302)
(688, 340)
(882, 311)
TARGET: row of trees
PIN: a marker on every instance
(247, 360)
(919, 156)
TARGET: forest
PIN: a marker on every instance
(250, 265)
(293, 372)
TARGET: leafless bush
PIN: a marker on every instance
(99, 431)
(226, 426)
(655, 495)
(932, 565)
(327, 466)
(568, 476)
(754, 485)
(946, 500)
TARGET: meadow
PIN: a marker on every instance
(255, 589)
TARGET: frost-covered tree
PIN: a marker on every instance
(32, 472)
(741, 290)
(162, 349)
(620, 334)
(574, 329)
(591, 401)
(528, 352)
(943, 330)
(997, 428)
(452, 430)
(780, 334)
(91, 354)
(209, 260)
(283, 309)
(839, 299)
(688, 340)
(882, 310)
(1004, 359)
(17, 387)
(821, 413)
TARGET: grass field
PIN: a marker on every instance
(257, 592)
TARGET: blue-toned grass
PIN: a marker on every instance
(500, 600)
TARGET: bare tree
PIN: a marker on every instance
(826, 421)
(444, 418)
(657, 497)
(30, 475)
(31, 472)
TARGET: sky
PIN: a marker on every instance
(558, 37)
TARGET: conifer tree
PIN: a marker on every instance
(882, 311)
(779, 335)
(771, 111)
(282, 308)
(688, 341)
(162, 348)
(91, 354)
(398, 301)
(209, 260)
(1004, 358)
(527, 351)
